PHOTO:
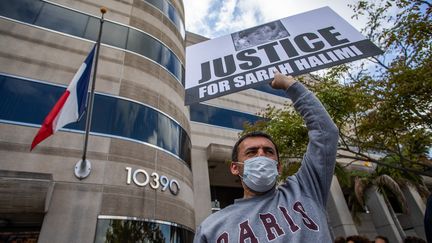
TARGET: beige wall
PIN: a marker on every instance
(73, 205)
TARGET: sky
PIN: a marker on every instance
(215, 18)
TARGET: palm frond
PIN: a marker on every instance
(389, 183)
(342, 175)
(359, 189)
(423, 190)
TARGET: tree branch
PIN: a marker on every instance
(390, 165)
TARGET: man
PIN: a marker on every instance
(293, 212)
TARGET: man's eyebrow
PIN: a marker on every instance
(252, 148)
(268, 148)
(258, 147)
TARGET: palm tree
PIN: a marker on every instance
(390, 183)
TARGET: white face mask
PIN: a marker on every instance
(259, 173)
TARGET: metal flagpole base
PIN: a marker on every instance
(82, 169)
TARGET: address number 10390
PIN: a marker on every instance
(142, 178)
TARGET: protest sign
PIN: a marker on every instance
(294, 45)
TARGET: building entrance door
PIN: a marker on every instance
(20, 228)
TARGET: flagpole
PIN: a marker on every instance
(83, 167)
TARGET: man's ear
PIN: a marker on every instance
(234, 168)
(279, 167)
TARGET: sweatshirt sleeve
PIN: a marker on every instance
(316, 171)
(199, 236)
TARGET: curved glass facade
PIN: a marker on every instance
(220, 116)
(168, 10)
(128, 230)
(78, 24)
(26, 101)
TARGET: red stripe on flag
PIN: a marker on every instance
(46, 129)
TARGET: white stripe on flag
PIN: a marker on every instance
(69, 112)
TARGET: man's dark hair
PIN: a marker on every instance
(357, 239)
(382, 238)
(234, 155)
(340, 239)
(413, 239)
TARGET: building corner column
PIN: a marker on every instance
(381, 215)
(416, 210)
(340, 220)
(201, 185)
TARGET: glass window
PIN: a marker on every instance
(170, 12)
(270, 90)
(71, 22)
(182, 30)
(148, 129)
(220, 117)
(63, 20)
(182, 71)
(166, 58)
(165, 232)
(184, 236)
(32, 101)
(112, 34)
(103, 115)
(169, 134)
(145, 45)
(185, 143)
(199, 113)
(24, 103)
(161, 5)
(173, 65)
(131, 120)
(124, 113)
(170, 62)
(22, 10)
(125, 231)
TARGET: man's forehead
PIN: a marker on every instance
(256, 142)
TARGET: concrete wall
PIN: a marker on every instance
(340, 220)
(416, 211)
(381, 216)
(75, 204)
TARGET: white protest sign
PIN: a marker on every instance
(295, 45)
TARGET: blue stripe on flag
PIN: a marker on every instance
(83, 82)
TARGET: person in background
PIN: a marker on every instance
(357, 239)
(413, 239)
(381, 239)
(340, 239)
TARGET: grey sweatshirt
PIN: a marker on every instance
(295, 211)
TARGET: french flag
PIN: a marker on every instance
(71, 105)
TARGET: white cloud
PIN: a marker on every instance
(195, 12)
(226, 13)
(213, 18)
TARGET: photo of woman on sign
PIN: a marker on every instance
(259, 35)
